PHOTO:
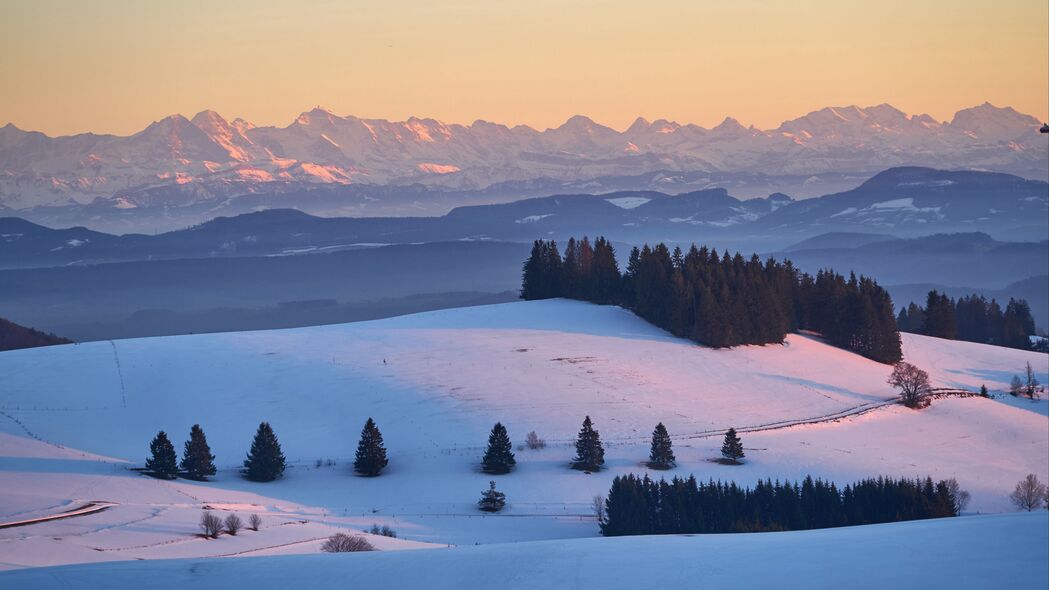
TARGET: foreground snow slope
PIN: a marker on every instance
(435, 383)
(1001, 551)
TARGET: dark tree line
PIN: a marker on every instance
(641, 506)
(972, 318)
(719, 300)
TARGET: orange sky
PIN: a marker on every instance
(114, 66)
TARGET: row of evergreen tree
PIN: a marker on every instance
(719, 300)
(972, 318)
(265, 460)
(640, 506)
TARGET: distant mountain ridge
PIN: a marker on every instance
(897, 203)
(179, 161)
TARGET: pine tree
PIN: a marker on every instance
(732, 449)
(197, 461)
(265, 460)
(371, 454)
(661, 455)
(492, 500)
(498, 457)
(590, 455)
(983, 391)
(164, 462)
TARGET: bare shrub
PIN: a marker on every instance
(532, 441)
(210, 524)
(233, 524)
(343, 543)
(599, 507)
(254, 522)
(913, 384)
(959, 497)
(1029, 493)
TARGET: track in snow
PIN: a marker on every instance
(89, 508)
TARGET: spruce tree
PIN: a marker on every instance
(590, 455)
(983, 391)
(164, 462)
(662, 455)
(732, 449)
(492, 500)
(265, 460)
(498, 457)
(197, 461)
(371, 454)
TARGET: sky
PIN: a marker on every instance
(114, 66)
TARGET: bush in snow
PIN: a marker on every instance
(210, 524)
(492, 500)
(533, 442)
(1016, 386)
(1031, 384)
(254, 522)
(197, 461)
(498, 458)
(913, 384)
(662, 454)
(343, 543)
(371, 454)
(163, 462)
(265, 460)
(384, 531)
(1029, 494)
(233, 524)
(732, 448)
(590, 455)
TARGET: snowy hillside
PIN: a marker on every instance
(435, 383)
(973, 552)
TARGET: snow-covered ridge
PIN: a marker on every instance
(220, 158)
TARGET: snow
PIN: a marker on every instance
(1000, 551)
(628, 202)
(76, 417)
(533, 218)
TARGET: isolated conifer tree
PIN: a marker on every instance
(590, 455)
(265, 460)
(732, 449)
(197, 461)
(492, 500)
(164, 462)
(498, 457)
(662, 455)
(371, 454)
(983, 391)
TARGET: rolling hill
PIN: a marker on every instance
(435, 383)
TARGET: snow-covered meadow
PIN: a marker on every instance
(76, 417)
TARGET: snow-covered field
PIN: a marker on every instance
(75, 417)
(970, 552)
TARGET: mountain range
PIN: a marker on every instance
(904, 202)
(181, 162)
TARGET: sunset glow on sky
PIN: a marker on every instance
(114, 66)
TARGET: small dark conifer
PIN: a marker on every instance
(371, 454)
(197, 461)
(492, 500)
(164, 462)
(265, 460)
(498, 457)
(732, 449)
(590, 455)
(983, 391)
(662, 453)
